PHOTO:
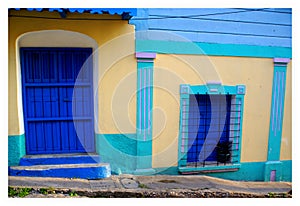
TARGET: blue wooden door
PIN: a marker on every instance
(58, 114)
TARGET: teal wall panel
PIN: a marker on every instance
(254, 171)
(273, 171)
(119, 150)
(286, 170)
(16, 149)
(248, 171)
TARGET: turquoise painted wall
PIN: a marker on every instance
(286, 174)
(119, 150)
(16, 149)
(248, 171)
(255, 172)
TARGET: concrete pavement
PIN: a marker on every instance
(155, 186)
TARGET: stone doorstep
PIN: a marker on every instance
(85, 171)
(66, 166)
(61, 155)
(53, 159)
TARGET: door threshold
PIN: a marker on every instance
(60, 155)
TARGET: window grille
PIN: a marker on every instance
(213, 133)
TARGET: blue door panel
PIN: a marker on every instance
(40, 136)
(56, 136)
(53, 123)
(72, 136)
(31, 142)
(49, 131)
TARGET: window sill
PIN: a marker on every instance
(209, 169)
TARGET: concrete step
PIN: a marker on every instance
(84, 171)
(57, 159)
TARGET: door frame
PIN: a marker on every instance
(63, 119)
(49, 38)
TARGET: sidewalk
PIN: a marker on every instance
(150, 186)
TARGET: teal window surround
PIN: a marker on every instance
(211, 88)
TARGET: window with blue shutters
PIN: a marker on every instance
(210, 127)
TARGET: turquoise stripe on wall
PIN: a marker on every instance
(16, 149)
(248, 171)
(212, 49)
(286, 174)
(119, 150)
(254, 171)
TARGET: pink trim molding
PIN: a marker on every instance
(145, 55)
(281, 60)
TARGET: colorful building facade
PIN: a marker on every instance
(160, 91)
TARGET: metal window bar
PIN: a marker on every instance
(202, 119)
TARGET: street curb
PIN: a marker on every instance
(150, 193)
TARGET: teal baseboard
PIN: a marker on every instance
(16, 149)
(119, 150)
(248, 171)
(255, 171)
(273, 171)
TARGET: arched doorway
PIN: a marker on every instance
(57, 117)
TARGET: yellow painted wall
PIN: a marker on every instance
(117, 98)
(116, 42)
(170, 71)
(286, 140)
